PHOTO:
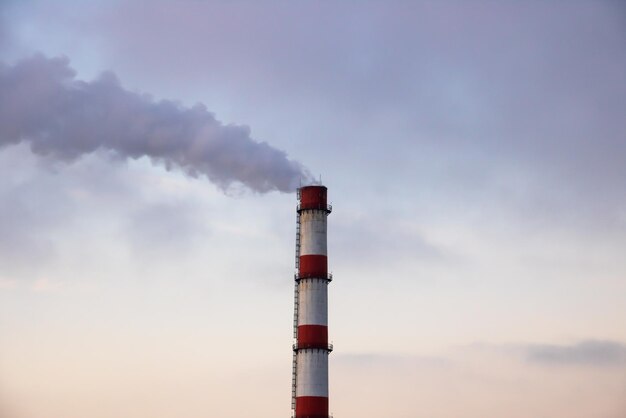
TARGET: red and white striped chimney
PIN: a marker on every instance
(310, 369)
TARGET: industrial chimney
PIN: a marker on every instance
(311, 348)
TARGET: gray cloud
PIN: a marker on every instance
(42, 103)
(490, 90)
(584, 353)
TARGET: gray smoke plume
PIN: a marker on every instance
(42, 103)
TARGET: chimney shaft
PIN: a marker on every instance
(311, 350)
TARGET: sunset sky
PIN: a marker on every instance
(474, 154)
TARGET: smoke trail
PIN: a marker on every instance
(42, 103)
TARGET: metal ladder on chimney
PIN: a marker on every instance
(296, 298)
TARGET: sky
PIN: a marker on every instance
(475, 155)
